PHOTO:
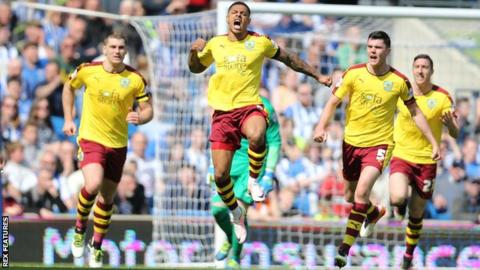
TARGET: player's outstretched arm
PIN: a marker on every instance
(68, 96)
(450, 121)
(193, 61)
(320, 133)
(422, 124)
(294, 62)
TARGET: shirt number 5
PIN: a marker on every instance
(381, 154)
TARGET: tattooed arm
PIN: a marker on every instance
(294, 62)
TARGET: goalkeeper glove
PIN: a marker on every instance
(210, 178)
(267, 181)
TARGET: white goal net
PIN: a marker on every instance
(181, 204)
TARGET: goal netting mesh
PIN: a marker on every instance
(181, 203)
(183, 226)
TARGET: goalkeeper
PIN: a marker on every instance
(239, 174)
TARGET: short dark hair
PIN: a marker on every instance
(424, 56)
(29, 44)
(240, 3)
(14, 79)
(116, 35)
(380, 35)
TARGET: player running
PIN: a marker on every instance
(373, 90)
(412, 163)
(233, 92)
(111, 88)
(239, 174)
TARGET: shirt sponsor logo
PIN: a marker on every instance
(387, 86)
(249, 45)
(431, 103)
(124, 82)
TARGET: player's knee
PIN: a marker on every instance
(92, 187)
(396, 200)
(221, 176)
(257, 139)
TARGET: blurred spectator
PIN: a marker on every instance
(134, 44)
(32, 69)
(437, 208)
(85, 48)
(320, 57)
(130, 197)
(51, 89)
(44, 199)
(68, 59)
(463, 114)
(147, 170)
(274, 70)
(34, 34)
(352, 51)
(176, 159)
(7, 17)
(17, 174)
(54, 28)
(323, 162)
(138, 9)
(335, 139)
(154, 7)
(40, 115)
(66, 166)
(97, 28)
(332, 205)
(9, 120)
(14, 68)
(7, 53)
(303, 113)
(449, 187)
(287, 24)
(191, 196)
(264, 22)
(284, 95)
(468, 205)
(294, 173)
(165, 52)
(31, 148)
(15, 90)
(73, 183)
(176, 7)
(469, 155)
(196, 153)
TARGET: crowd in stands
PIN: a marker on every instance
(42, 175)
